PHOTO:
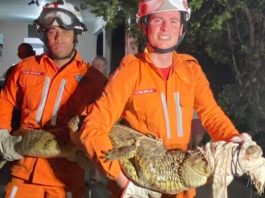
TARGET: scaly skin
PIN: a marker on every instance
(145, 161)
(41, 143)
(38, 143)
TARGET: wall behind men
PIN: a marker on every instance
(15, 32)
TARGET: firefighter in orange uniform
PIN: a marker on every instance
(49, 91)
(156, 92)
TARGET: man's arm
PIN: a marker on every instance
(104, 113)
(8, 99)
(214, 120)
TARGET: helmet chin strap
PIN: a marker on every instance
(163, 51)
(70, 55)
(167, 50)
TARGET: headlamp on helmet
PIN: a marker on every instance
(60, 14)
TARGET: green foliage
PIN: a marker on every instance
(114, 12)
(119, 12)
(232, 33)
(196, 5)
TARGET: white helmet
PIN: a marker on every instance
(147, 7)
(60, 14)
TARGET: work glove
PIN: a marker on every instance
(7, 143)
(133, 191)
(241, 138)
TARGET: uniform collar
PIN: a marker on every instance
(175, 57)
(180, 68)
(177, 62)
(147, 55)
(77, 57)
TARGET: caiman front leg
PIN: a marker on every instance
(122, 153)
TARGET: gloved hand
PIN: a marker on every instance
(133, 191)
(7, 143)
(240, 138)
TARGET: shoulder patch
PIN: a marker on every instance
(78, 78)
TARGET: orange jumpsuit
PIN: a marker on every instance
(138, 93)
(48, 97)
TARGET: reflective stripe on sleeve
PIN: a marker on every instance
(13, 192)
(57, 102)
(43, 98)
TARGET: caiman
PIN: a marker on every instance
(145, 160)
(41, 143)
